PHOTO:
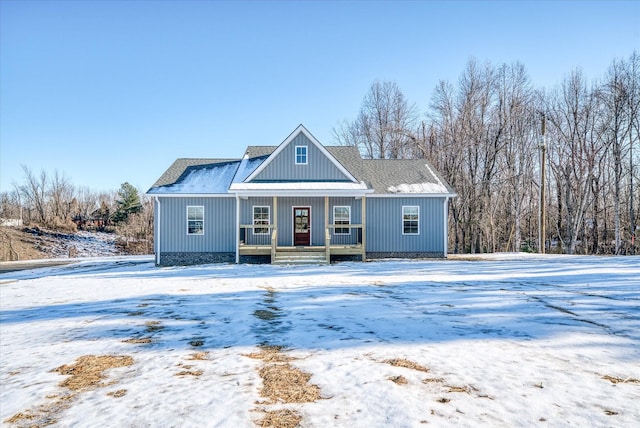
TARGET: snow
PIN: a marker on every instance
(247, 166)
(79, 244)
(509, 340)
(421, 188)
(202, 180)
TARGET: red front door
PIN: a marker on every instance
(301, 226)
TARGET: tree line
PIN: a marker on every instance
(487, 133)
(53, 202)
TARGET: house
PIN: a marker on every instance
(299, 201)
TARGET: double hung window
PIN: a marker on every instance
(195, 220)
(410, 220)
(342, 215)
(261, 216)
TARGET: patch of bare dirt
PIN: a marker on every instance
(15, 244)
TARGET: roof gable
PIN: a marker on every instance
(280, 166)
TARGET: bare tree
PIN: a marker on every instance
(34, 193)
(579, 144)
(61, 196)
(384, 127)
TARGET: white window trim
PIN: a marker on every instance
(202, 232)
(253, 215)
(402, 224)
(334, 219)
(306, 155)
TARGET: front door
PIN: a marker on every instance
(301, 226)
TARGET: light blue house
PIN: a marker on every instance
(299, 202)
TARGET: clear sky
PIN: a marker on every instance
(113, 91)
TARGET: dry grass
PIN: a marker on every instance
(153, 326)
(284, 418)
(189, 373)
(433, 380)
(20, 416)
(199, 356)
(188, 370)
(407, 364)
(458, 388)
(282, 383)
(614, 379)
(287, 384)
(399, 380)
(117, 394)
(270, 354)
(88, 371)
(138, 340)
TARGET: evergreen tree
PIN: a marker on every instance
(128, 202)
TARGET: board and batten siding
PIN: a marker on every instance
(219, 225)
(246, 217)
(285, 219)
(385, 227)
(356, 218)
(283, 167)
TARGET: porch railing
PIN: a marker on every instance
(354, 237)
(249, 236)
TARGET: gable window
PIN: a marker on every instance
(342, 215)
(301, 155)
(261, 216)
(410, 220)
(195, 220)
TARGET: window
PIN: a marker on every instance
(301, 155)
(410, 220)
(342, 215)
(261, 216)
(195, 220)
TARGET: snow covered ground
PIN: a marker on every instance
(511, 341)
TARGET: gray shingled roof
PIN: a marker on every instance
(257, 151)
(182, 165)
(382, 175)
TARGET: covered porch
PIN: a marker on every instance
(302, 229)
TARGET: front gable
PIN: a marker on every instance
(300, 158)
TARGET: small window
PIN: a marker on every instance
(261, 216)
(301, 155)
(410, 220)
(342, 215)
(195, 220)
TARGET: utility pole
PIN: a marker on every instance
(543, 162)
(632, 220)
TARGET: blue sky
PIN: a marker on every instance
(113, 91)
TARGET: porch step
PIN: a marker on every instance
(292, 258)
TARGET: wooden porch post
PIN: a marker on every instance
(327, 236)
(364, 228)
(274, 221)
